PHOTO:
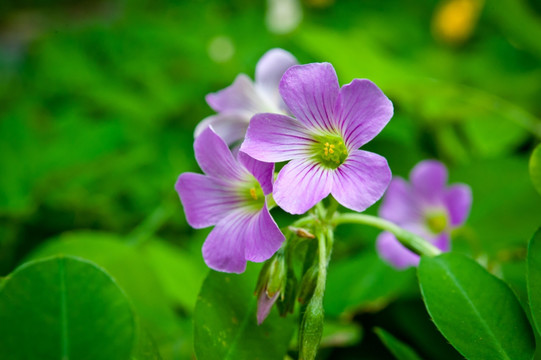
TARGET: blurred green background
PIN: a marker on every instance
(99, 99)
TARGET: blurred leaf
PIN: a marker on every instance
(225, 321)
(500, 223)
(180, 275)
(65, 308)
(534, 278)
(475, 311)
(535, 168)
(400, 350)
(518, 21)
(363, 282)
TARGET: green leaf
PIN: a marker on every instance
(534, 278)
(363, 282)
(400, 350)
(181, 275)
(65, 308)
(225, 325)
(130, 268)
(535, 168)
(477, 312)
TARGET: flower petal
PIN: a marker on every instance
(263, 237)
(262, 171)
(230, 125)
(361, 180)
(215, 158)
(429, 178)
(458, 200)
(273, 138)
(264, 305)
(390, 250)
(269, 71)
(223, 249)
(362, 111)
(239, 96)
(442, 242)
(310, 92)
(399, 204)
(205, 200)
(300, 185)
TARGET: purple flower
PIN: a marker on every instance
(237, 103)
(231, 196)
(425, 207)
(323, 141)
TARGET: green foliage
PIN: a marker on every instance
(99, 101)
(476, 312)
(65, 308)
(534, 278)
(226, 325)
(535, 168)
(400, 350)
(376, 284)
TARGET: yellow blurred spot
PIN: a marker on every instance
(454, 20)
(253, 194)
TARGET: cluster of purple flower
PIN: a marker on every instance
(300, 114)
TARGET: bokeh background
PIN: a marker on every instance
(99, 99)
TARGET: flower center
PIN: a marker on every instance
(330, 150)
(436, 222)
(252, 194)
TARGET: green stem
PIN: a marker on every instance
(324, 258)
(413, 242)
(333, 206)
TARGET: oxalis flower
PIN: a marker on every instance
(425, 207)
(231, 195)
(323, 140)
(237, 103)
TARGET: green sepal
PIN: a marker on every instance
(311, 329)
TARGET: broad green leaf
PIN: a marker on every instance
(400, 350)
(534, 278)
(535, 168)
(477, 312)
(363, 282)
(65, 308)
(225, 321)
(129, 266)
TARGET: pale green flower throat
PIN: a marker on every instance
(330, 150)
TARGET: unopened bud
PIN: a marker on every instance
(286, 304)
(311, 329)
(277, 275)
(271, 282)
(308, 284)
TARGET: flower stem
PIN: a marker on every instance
(333, 206)
(413, 242)
(322, 265)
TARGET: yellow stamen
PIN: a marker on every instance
(331, 151)
(253, 193)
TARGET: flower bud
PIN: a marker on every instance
(286, 304)
(277, 274)
(308, 284)
(311, 329)
(271, 283)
